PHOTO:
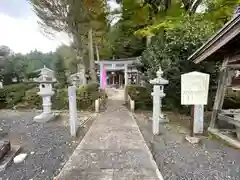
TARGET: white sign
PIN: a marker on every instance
(194, 88)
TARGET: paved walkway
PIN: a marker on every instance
(113, 149)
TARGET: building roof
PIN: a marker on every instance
(44, 68)
(226, 40)
(132, 60)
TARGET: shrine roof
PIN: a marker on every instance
(225, 41)
(44, 68)
(133, 60)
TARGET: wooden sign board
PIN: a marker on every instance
(194, 88)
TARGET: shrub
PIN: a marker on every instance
(141, 95)
(87, 94)
(11, 95)
(60, 99)
(31, 100)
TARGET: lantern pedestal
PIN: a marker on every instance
(44, 117)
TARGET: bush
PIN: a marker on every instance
(60, 99)
(31, 100)
(11, 95)
(87, 94)
(141, 95)
(25, 98)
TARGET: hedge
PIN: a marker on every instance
(11, 95)
(141, 95)
(86, 96)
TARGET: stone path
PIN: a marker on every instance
(113, 149)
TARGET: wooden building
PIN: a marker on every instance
(224, 47)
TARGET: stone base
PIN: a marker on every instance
(162, 119)
(192, 140)
(9, 157)
(43, 118)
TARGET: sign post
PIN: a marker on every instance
(194, 91)
(72, 110)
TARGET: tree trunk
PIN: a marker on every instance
(91, 56)
(80, 60)
(148, 39)
(97, 53)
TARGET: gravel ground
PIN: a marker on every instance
(179, 160)
(48, 145)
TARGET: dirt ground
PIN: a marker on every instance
(48, 145)
(177, 159)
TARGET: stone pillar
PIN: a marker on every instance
(47, 104)
(126, 83)
(97, 105)
(72, 110)
(156, 109)
(157, 94)
(198, 119)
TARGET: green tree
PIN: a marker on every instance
(60, 72)
(69, 55)
(76, 18)
(220, 11)
(171, 54)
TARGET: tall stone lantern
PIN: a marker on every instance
(46, 92)
(158, 94)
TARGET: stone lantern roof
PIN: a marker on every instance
(159, 80)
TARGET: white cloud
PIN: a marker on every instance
(23, 35)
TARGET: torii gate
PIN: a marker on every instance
(117, 65)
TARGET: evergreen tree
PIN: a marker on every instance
(60, 72)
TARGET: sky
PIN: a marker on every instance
(20, 31)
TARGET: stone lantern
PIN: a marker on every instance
(158, 94)
(46, 92)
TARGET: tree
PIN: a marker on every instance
(220, 11)
(60, 72)
(69, 55)
(171, 54)
(13, 67)
(73, 17)
(4, 51)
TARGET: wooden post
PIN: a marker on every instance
(221, 89)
